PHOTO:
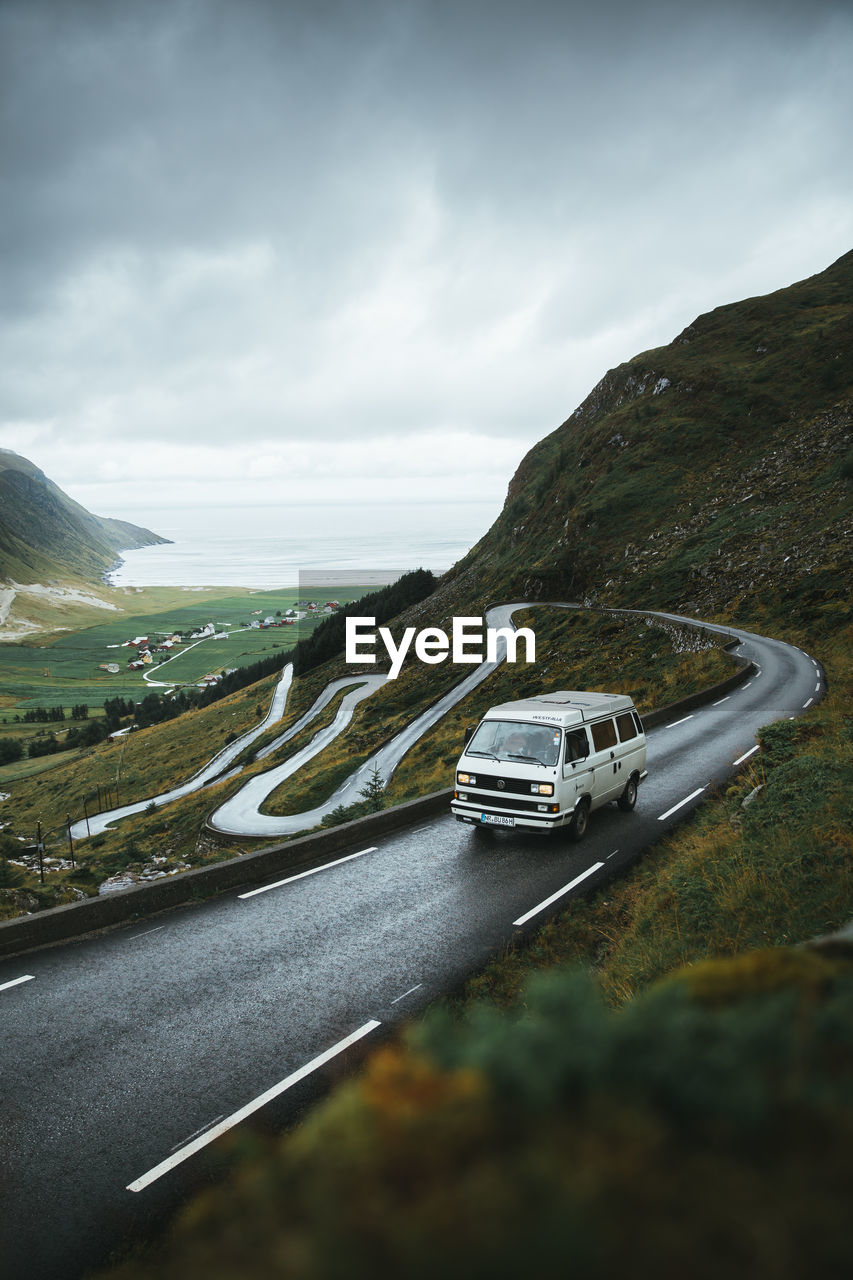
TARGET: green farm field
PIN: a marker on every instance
(64, 668)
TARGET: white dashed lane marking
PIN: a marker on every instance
(313, 872)
(559, 894)
(210, 1135)
(681, 804)
(16, 982)
(417, 987)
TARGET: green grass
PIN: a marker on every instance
(59, 669)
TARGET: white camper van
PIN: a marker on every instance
(547, 762)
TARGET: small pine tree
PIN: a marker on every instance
(373, 792)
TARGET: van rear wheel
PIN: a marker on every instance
(580, 821)
(628, 798)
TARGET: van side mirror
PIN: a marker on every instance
(469, 733)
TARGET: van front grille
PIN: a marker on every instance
(494, 782)
(477, 798)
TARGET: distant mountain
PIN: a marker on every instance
(45, 535)
(715, 473)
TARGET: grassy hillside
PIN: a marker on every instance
(713, 475)
(45, 534)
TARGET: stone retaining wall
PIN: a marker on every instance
(57, 924)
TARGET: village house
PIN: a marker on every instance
(203, 634)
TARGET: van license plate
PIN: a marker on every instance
(497, 820)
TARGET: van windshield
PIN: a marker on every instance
(512, 740)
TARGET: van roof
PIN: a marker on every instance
(563, 707)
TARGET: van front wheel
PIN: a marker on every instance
(628, 798)
(580, 821)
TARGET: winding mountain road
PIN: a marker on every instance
(241, 815)
(127, 1054)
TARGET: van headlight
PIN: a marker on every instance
(466, 779)
(541, 788)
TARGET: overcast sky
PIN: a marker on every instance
(373, 249)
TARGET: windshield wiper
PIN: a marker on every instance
(517, 756)
(490, 754)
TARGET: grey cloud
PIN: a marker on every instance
(206, 206)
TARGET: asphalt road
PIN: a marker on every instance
(124, 1054)
(212, 771)
(241, 814)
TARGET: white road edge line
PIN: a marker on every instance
(554, 896)
(682, 721)
(417, 987)
(746, 755)
(681, 804)
(250, 1108)
(16, 982)
(808, 704)
(146, 933)
(721, 701)
(313, 872)
(200, 1129)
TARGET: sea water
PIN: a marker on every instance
(267, 547)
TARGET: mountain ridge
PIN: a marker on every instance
(706, 474)
(46, 535)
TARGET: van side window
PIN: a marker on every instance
(638, 722)
(577, 744)
(604, 734)
(625, 725)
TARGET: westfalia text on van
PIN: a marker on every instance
(548, 762)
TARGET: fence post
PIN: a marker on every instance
(39, 851)
(86, 816)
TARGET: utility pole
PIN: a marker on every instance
(118, 766)
(70, 841)
(40, 851)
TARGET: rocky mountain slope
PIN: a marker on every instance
(44, 534)
(713, 475)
